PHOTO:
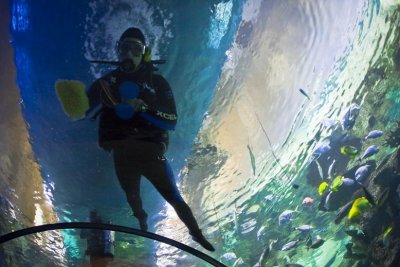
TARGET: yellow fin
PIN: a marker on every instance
(322, 188)
(336, 183)
(354, 213)
(72, 97)
(387, 231)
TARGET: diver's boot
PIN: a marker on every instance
(199, 238)
(143, 226)
(143, 222)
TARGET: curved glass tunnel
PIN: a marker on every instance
(286, 147)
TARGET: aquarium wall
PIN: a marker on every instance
(286, 146)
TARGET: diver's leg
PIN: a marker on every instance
(129, 179)
(161, 176)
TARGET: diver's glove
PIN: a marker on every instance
(138, 104)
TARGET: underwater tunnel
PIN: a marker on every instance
(286, 147)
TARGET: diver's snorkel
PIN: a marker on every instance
(127, 63)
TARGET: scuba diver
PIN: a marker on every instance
(99, 243)
(137, 111)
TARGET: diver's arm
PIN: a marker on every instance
(93, 95)
(100, 96)
(162, 112)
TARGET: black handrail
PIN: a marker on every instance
(112, 227)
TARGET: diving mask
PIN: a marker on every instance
(130, 48)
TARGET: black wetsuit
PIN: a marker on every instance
(139, 143)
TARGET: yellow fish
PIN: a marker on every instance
(349, 151)
(322, 188)
(362, 204)
(359, 205)
(336, 183)
(387, 231)
(354, 213)
(385, 238)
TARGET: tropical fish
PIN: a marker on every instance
(304, 228)
(343, 211)
(290, 245)
(229, 256)
(285, 216)
(260, 232)
(328, 199)
(348, 181)
(308, 201)
(330, 169)
(238, 262)
(359, 205)
(371, 150)
(322, 148)
(322, 188)
(385, 238)
(328, 123)
(349, 117)
(336, 183)
(354, 213)
(269, 197)
(362, 203)
(387, 231)
(362, 172)
(252, 160)
(349, 151)
(304, 93)
(321, 174)
(264, 256)
(317, 243)
(373, 134)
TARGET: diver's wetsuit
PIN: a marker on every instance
(139, 143)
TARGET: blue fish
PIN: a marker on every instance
(348, 181)
(349, 117)
(229, 256)
(260, 232)
(371, 150)
(322, 148)
(362, 172)
(328, 123)
(373, 134)
(328, 199)
(304, 93)
(285, 216)
(330, 169)
(321, 173)
(290, 245)
(304, 228)
(269, 197)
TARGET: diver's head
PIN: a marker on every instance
(130, 49)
